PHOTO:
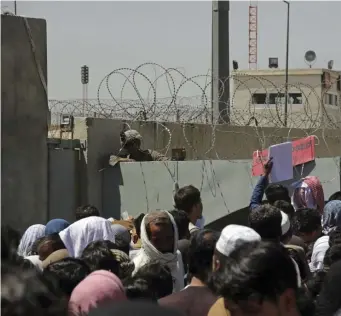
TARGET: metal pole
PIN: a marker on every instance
(287, 67)
(15, 7)
(220, 62)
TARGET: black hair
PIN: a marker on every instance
(200, 254)
(10, 239)
(187, 197)
(67, 273)
(306, 220)
(335, 196)
(276, 192)
(255, 270)
(266, 221)
(333, 254)
(137, 224)
(335, 237)
(285, 207)
(158, 277)
(182, 221)
(86, 211)
(98, 256)
(26, 292)
(138, 289)
(121, 244)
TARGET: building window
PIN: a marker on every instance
(295, 98)
(330, 99)
(276, 98)
(259, 98)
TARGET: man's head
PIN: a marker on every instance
(188, 199)
(67, 273)
(131, 140)
(86, 211)
(285, 207)
(200, 254)
(266, 221)
(98, 256)
(258, 279)
(160, 231)
(158, 278)
(335, 196)
(276, 192)
(182, 221)
(50, 244)
(306, 224)
(231, 238)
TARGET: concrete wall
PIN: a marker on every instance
(226, 186)
(24, 112)
(101, 137)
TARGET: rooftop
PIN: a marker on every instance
(292, 72)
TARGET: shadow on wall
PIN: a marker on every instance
(111, 196)
(239, 217)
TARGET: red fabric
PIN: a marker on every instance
(317, 190)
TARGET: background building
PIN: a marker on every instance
(314, 97)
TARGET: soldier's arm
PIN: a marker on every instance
(156, 156)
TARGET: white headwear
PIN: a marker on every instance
(31, 234)
(36, 262)
(149, 253)
(81, 233)
(233, 236)
(285, 224)
(320, 248)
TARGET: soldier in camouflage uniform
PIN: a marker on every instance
(131, 150)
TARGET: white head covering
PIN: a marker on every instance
(285, 224)
(31, 234)
(36, 262)
(233, 236)
(81, 233)
(320, 248)
(149, 253)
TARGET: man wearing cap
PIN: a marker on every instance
(131, 150)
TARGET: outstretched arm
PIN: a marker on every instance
(258, 191)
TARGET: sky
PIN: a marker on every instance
(113, 34)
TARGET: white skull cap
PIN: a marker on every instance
(233, 236)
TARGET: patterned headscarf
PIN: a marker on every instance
(309, 194)
(31, 234)
(331, 217)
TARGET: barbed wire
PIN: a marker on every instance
(308, 112)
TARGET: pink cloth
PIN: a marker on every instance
(309, 194)
(97, 288)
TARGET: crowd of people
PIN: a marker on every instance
(286, 262)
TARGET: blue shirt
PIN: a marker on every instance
(258, 192)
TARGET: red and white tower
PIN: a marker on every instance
(253, 35)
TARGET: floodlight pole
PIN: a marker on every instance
(287, 66)
(15, 7)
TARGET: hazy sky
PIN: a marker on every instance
(111, 35)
